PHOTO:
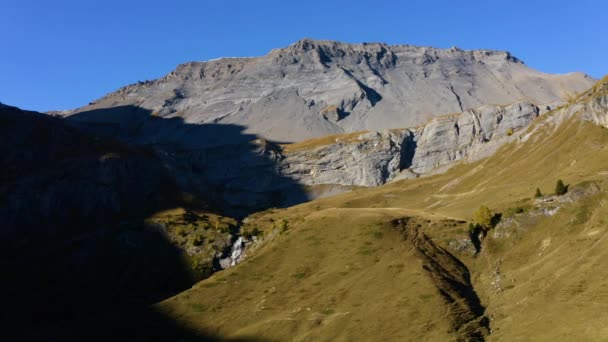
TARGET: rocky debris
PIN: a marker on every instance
(496, 277)
(543, 206)
(574, 194)
(463, 245)
(286, 95)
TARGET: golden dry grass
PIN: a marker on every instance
(323, 141)
(337, 273)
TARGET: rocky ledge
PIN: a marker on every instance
(374, 158)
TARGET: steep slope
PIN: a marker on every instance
(234, 171)
(242, 173)
(540, 274)
(92, 231)
(314, 88)
(374, 158)
(333, 274)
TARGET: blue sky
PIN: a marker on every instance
(62, 54)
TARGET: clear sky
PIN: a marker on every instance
(62, 54)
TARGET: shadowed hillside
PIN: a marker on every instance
(90, 235)
(236, 172)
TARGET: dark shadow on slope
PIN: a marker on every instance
(78, 258)
(237, 172)
(408, 150)
(372, 95)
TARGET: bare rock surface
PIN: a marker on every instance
(370, 159)
(471, 135)
(314, 88)
(374, 158)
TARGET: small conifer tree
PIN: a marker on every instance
(538, 194)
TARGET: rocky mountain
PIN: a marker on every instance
(314, 88)
(83, 195)
(167, 210)
(243, 173)
(216, 123)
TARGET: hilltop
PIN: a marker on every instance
(314, 88)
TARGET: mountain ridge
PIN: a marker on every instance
(313, 88)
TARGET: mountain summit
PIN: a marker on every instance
(317, 87)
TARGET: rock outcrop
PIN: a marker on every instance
(596, 109)
(374, 158)
(471, 135)
(365, 159)
(315, 88)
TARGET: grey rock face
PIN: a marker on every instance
(471, 135)
(370, 159)
(596, 109)
(315, 88)
(373, 158)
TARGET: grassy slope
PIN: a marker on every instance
(362, 281)
(553, 277)
(323, 141)
(335, 274)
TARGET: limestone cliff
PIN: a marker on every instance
(374, 158)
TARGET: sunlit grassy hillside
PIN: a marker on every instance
(341, 268)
